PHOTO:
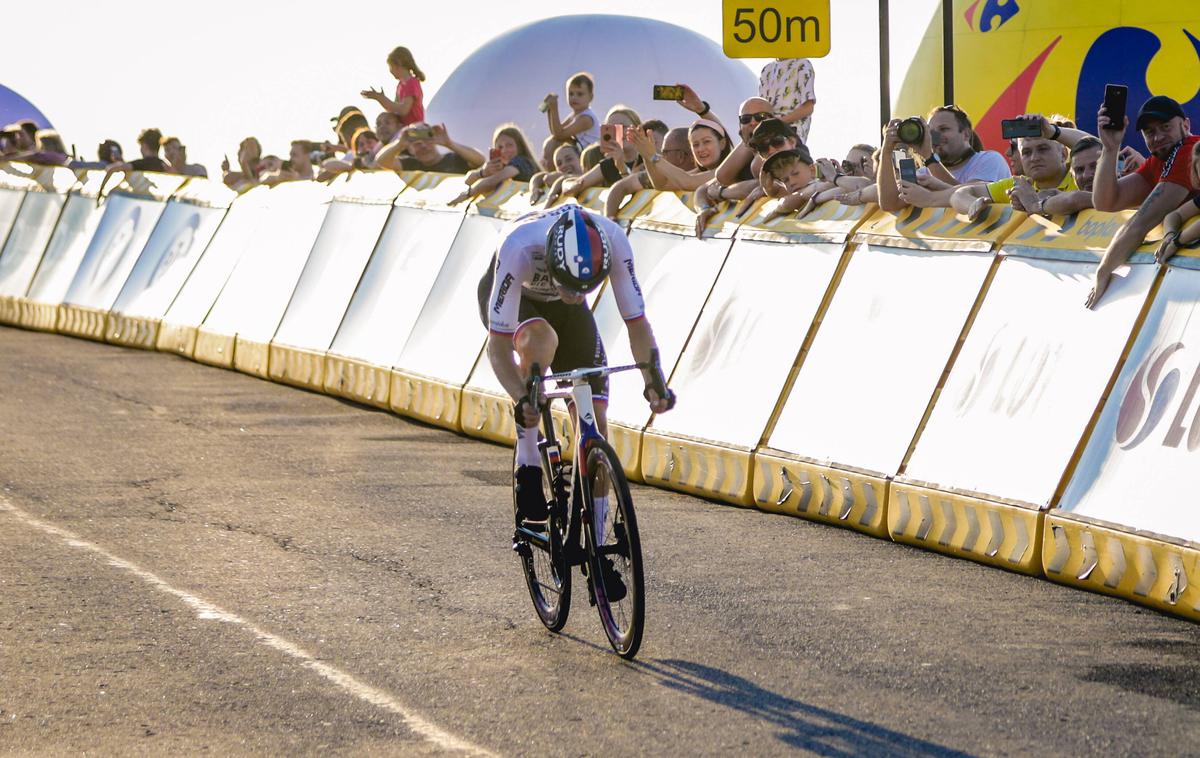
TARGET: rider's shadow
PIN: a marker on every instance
(807, 727)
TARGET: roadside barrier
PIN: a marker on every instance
(130, 215)
(185, 228)
(72, 235)
(1025, 385)
(912, 376)
(1126, 524)
(45, 194)
(740, 356)
(397, 279)
(447, 337)
(239, 328)
(900, 307)
(181, 323)
(353, 225)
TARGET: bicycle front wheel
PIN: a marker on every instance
(614, 550)
(547, 572)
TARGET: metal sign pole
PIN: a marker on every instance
(885, 60)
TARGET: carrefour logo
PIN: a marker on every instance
(1153, 396)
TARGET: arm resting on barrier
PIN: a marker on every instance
(738, 158)
(1164, 198)
(1064, 203)
(621, 190)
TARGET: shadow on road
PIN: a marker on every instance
(806, 727)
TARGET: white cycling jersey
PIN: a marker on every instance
(521, 269)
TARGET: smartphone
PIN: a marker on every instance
(668, 92)
(1115, 97)
(908, 170)
(494, 154)
(420, 133)
(1015, 128)
(612, 133)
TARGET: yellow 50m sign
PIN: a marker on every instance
(775, 28)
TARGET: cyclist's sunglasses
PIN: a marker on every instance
(762, 146)
(760, 117)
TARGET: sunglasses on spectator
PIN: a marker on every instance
(763, 146)
(748, 117)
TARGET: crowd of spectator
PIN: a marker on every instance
(764, 154)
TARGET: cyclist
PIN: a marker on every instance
(532, 300)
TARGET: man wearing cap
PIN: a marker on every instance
(1160, 186)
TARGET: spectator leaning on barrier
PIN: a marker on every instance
(300, 160)
(249, 154)
(149, 141)
(50, 149)
(387, 126)
(1045, 162)
(674, 150)
(23, 134)
(511, 158)
(409, 104)
(566, 165)
(176, 155)
(789, 84)
(416, 149)
(1161, 185)
(108, 152)
(1176, 233)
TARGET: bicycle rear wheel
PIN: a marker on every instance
(614, 550)
(547, 573)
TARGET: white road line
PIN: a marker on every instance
(207, 610)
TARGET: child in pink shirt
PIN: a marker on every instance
(409, 104)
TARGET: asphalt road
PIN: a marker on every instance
(196, 561)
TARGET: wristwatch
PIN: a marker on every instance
(932, 159)
(656, 158)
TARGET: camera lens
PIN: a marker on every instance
(911, 131)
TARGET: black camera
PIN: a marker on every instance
(911, 131)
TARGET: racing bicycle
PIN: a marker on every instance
(591, 522)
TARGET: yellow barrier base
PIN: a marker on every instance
(10, 310)
(131, 331)
(488, 415)
(80, 321)
(700, 468)
(358, 380)
(214, 349)
(40, 316)
(1139, 567)
(789, 484)
(996, 534)
(176, 338)
(295, 366)
(252, 357)
(430, 400)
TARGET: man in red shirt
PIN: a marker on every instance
(1160, 186)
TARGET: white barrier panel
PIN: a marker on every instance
(388, 300)
(447, 336)
(1126, 524)
(28, 238)
(128, 220)
(1139, 467)
(1026, 383)
(249, 308)
(352, 228)
(15, 180)
(877, 358)
(183, 232)
(1028, 379)
(76, 225)
(177, 331)
(676, 272)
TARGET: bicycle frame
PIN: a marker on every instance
(570, 501)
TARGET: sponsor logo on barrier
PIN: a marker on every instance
(179, 249)
(110, 258)
(1153, 396)
(1009, 377)
(1095, 231)
(504, 287)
